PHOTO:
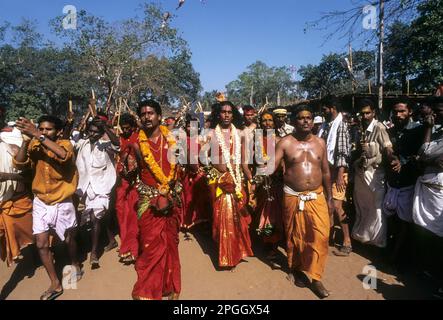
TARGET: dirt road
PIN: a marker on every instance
(252, 279)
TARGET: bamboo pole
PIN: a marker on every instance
(84, 121)
(91, 105)
(119, 130)
(108, 101)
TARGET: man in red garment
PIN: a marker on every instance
(159, 209)
(127, 195)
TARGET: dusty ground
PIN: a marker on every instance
(201, 281)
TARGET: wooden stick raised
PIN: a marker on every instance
(108, 102)
(119, 130)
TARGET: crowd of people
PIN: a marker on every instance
(298, 186)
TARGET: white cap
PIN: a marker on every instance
(318, 120)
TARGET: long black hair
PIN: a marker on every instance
(237, 119)
(260, 118)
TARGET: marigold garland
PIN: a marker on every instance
(150, 160)
(266, 158)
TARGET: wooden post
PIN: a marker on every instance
(380, 54)
(407, 81)
(369, 86)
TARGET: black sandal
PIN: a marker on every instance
(344, 251)
(319, 290)
(51, 295)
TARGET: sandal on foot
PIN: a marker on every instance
(319, 290)
(51, 294)
(300, 279)
(94, 262)
(129, 260)
(174, 296)
(344, 251)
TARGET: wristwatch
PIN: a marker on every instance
(42, 138)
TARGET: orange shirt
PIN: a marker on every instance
(55, 180)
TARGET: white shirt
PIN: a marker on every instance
(7, 188)
(285, 130)
(96, 167)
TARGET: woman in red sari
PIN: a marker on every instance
(159, 210)
(197, 205)
(127, 195)
(268, 189)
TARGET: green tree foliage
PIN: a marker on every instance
(133, 58)
(265, 83)
(427, 45)
(24, 105)
(207, 99)
(40, 74)
(398, 57)
(331, 75)
(415, 51)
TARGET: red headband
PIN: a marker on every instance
(103, 118)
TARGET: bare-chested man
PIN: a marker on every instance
(308, 204)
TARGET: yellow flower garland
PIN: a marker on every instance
(152, 164)
(266, 158)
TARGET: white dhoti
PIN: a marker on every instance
(399, 201)
(98, 204)
(59, 217)
(369, 190)
(428, 203)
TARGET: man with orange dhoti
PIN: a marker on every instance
(159, 209)
(230, 226)
(15, 201)
(308, 202)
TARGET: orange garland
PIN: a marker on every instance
(156, 170)
(264, 153)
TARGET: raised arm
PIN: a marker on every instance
(69, 125)
(28, 129)
(112, 136)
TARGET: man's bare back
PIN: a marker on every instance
(303, 162)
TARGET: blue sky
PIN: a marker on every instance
(225, 36)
